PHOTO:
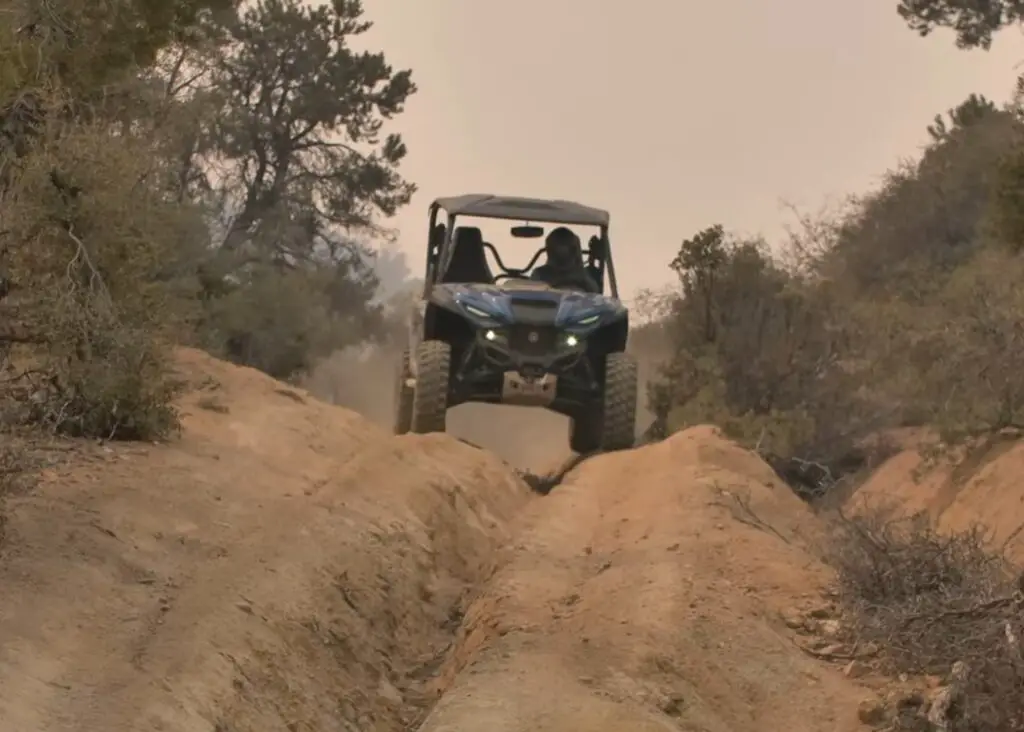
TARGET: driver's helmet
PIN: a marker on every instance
(563, 248)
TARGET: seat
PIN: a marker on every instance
(594, 262)
(583, 279)
(435, 243)
(437, 236)
(580, 277)
(469, 259)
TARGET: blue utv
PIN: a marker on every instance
(544, 335)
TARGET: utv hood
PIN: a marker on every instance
(506, 304)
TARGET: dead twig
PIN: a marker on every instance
(940, 712)
(975, 611)
(740, 509)
(832, 654)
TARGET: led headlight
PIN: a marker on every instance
(588, 320)
(473, 310)
(572, 341)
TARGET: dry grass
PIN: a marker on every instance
(936, 604)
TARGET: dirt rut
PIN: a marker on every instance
(646, 594)
(286, 565)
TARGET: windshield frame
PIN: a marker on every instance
(605, 267)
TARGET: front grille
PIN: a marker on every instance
(532, 340)
(535, 312)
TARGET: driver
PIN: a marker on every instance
(564, 268)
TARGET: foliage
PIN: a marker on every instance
(91, 246)
(928, 217)
(968, 360)
(973, 21)
(279, 322)
(184, 170)
(287, 147)
(902, 309)
(757, 351)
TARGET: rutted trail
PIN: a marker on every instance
(287, 565)
(641, 597)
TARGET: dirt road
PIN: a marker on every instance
(287, 565)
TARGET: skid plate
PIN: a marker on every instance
(521, 391)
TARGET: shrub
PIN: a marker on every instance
(99, 285)
(929, 602)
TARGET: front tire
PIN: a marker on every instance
(618, 429)
(585, 430)
(430, 397)
(610, 424)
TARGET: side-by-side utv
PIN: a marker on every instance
(487, 332)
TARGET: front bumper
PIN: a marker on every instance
(532, 350)
(528, 365)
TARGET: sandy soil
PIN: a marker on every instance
(646, 594)
(287, 565)
(977, 487)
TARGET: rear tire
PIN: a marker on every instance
(430, 397)
(585, 431)
(611, 423)
(403, 396)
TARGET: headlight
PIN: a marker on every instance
(572, 341)
(493, 335)
(472, 310)
(588, 320)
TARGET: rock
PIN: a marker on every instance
(855, 670)
(386, 690)
(673, 705)
(909, 699)
(834, 649)
(830, 628)
(872, 712)
(793, 619)
(822, 612)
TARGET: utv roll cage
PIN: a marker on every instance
(513, 208)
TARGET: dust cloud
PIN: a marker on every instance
(363, 379)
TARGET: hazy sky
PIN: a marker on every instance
(672, 115)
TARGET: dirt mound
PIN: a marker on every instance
(646, 594)
(980, 486)
(284, 566)
(287, 565)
